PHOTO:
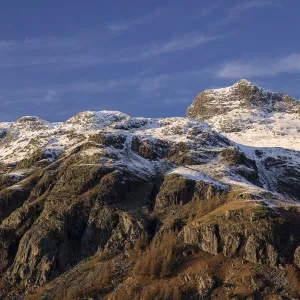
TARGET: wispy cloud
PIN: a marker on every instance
(160, 12)
(39, 43)
(142, 85)
(178, 44)
(243, 6)
(126, 24)
(75, 52)
(51, 96)
(41, 51)
(260, 67)
(5, 45)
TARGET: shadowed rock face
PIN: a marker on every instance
(100, 193)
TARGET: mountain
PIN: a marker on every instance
(250, 115)
(107, 206)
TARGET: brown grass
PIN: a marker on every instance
(160, 258)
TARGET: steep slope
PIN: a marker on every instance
(250, 115)
(106, 206)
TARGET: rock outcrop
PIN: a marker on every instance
(256, 235)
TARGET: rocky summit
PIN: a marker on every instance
(250, 115)
(107, 206)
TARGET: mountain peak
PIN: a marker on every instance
(243, 82)
(241, 95)
(26, 119)
(247, 114)
(31, 123)
(94, 119)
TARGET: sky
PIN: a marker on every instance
(144, 58)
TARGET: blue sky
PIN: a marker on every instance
(144, 58)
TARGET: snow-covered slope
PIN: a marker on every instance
(30, 134)
(145, 148)
(250, 115)
(140, 146)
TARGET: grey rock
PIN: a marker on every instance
(297, 257)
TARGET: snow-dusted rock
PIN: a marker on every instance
(250, 115)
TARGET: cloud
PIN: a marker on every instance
(38, 43)
(5, 45)
(178, 44)
(163, 11)
(260, 67)
(247, 5)
(187, 41)
(40, 51)
(51, 96)
(83, 51)
(89, 87)
(154, 49)
(125, 25)
(140, 84)
(243, 6)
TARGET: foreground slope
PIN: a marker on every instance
(106, 206)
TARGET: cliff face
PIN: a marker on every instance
(105, 206)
